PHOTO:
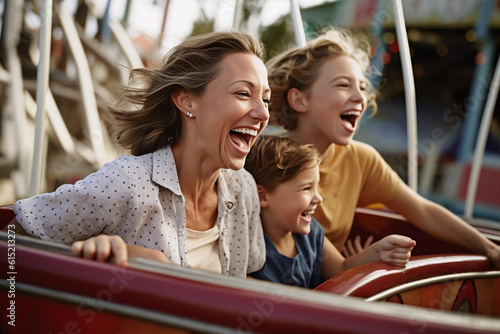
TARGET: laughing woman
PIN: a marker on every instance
(182, 196)
(320, 91)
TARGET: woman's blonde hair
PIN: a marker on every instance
(274, 160)
(298, 68)
(155, 121)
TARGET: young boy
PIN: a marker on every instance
(297, 252)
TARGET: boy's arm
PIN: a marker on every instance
(333, 262)
(393, 249)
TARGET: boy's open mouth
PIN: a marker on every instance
(307, 214)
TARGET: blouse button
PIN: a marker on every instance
(229, 205)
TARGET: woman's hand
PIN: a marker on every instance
(146, 253)
(395, 249)
(101, 248)
(352, 248)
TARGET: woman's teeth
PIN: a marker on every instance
(246, 131)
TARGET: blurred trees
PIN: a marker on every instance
(276, 37)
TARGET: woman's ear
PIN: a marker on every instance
(262, 196)
(183, 101)
(296, 100)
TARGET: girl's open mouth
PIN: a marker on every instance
(350, 118)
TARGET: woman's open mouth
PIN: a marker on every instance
(242, 137)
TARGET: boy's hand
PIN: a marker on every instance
(395, 249)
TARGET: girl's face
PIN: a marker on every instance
(335, 102)
(290, 206)
(233, 110)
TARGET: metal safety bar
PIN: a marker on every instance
(481, 143)
(42, 83)
(410, 96)
(298, 26)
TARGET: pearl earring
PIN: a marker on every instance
(189, 114)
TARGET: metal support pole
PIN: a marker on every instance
(410, 96)
(481, 143)
(41, 93)
(238, 14)
(298, 26)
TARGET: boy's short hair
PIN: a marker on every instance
(274, 160)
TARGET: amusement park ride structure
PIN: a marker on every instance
(443, 289)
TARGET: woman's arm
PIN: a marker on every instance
(15, 226)
(441, 223)
(102, 247)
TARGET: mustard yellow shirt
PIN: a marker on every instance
(352, 176)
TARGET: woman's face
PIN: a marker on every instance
(233, 110)
(335, 102)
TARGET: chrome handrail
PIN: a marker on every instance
(410, 96)
(298, 27)
(481, 143)
(42, 84)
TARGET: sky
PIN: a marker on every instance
(146, 16)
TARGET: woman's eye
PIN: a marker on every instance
(243, 93)
(266, 100)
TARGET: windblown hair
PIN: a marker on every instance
(154, 121)
(274, 160)
(298, 68)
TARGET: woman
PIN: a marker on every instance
(320, 92)
(183, 192)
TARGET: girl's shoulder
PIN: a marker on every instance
(361, 148)
(354, 152)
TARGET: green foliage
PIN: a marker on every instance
(278, 36)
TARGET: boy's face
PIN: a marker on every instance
(291, 204)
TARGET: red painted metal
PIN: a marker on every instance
(241, 310)
(372, 278)
(380, 223)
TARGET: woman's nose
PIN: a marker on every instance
(260, 111)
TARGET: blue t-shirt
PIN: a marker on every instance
(303, 270)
